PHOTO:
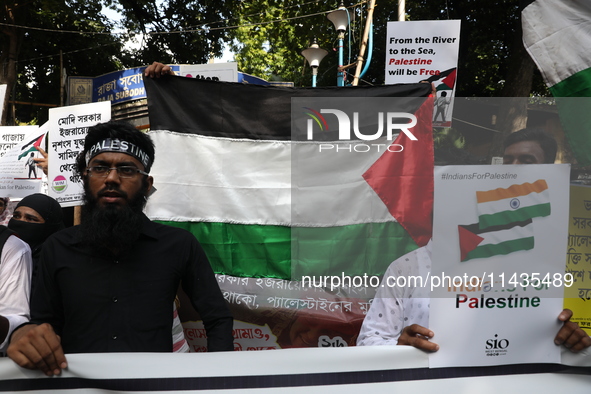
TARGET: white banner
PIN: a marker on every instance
(425, 51)
(379, 369)
(67, 129)
(500, 236)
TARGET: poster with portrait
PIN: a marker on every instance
(67, 129)
(498, 273)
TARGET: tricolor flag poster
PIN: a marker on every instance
(426, 51)
(299, 198)
(557, 35)
(578, 256)
(67, 129)
(19, 174)
(498, 272)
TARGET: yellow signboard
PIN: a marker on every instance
(578, 257)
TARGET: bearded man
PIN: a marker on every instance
(108, 284)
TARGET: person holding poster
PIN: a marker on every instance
(399, 315)
(107, 285)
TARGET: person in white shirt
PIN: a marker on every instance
(15, 286)
(400, 315)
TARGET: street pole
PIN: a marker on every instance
(368, 23)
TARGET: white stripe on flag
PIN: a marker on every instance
(531, 199)
(556, 34)
(517, 232)
(250, 182)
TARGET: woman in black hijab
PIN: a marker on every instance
(34, 219)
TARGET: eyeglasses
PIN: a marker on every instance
(123, 171)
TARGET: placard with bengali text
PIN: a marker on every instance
(578, 256)
(67, 130)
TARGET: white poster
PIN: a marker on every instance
(227, 72)
(19, 174)
(498, 272)
(67, 129)
(425, 51)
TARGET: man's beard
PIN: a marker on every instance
(114, 227)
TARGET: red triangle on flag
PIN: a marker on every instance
(38, 142)
(450, 80)
(404, 180)
(468, 241)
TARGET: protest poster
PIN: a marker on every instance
(498, 277)
(425, 51)
(578, 257)
(67, 129)
(19, 174)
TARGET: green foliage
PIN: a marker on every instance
(272, 35)
(448, 138)
(267, 37)
(57, 26)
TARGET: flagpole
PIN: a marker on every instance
(401, 10)
(368, 23)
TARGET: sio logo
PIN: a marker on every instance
(496, 347)
(59, 184)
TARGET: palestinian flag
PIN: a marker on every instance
(448, 79)
(31, 146)
(557, 35)
(476, 243)
(513, 204)
(264, 205)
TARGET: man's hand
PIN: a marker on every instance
(157, 69)
(418, 336)
(42, 161)
(570, 334)
(37, 347)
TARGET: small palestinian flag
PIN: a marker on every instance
(514, 204)
(31, 146)
(476, 243)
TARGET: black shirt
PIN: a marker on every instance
(124, 304)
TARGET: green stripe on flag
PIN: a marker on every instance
(502, 248)
(517, 215)
(577, 85)
(573, 98)
(25, 153)
(266, 251)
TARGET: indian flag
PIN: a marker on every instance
(557, 35)
(264, 205)
(476, 243)
(513, 204)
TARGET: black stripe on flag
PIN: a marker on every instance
(474, 228)
(235, 110)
